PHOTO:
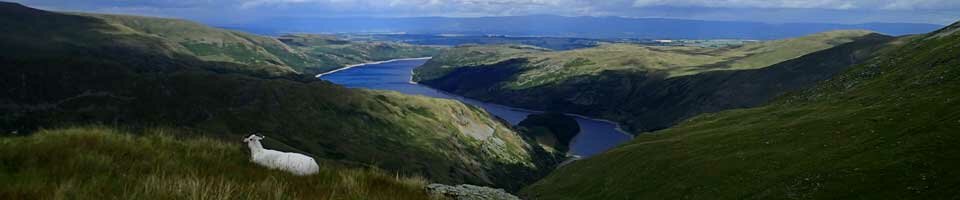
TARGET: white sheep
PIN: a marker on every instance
(295, 163)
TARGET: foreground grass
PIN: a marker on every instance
(101, 163)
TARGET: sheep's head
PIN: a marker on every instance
(253, 137)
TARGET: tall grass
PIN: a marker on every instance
(105, 163)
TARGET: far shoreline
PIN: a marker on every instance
(368, 63)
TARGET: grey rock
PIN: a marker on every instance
(470, 192)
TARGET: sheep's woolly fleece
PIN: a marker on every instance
(295, 163)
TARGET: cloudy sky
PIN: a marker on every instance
(774, 11)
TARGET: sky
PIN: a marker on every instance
(771, 11)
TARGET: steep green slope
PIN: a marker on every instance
(104, 163)
(554, 130)
(94, 73)
(885, 129)
(651, 99)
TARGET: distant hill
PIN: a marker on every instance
(645, 87)
(329, 52)
(215, 44)
(885, 128)
(66, 70)
(555, 43)
(589, 27)
(212, 44)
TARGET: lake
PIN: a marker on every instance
(595, 136)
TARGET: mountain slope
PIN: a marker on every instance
(649, 88)
(104, 163)
(884, 129)
(97, 73)
(214, 44)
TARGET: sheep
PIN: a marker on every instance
(298, 164)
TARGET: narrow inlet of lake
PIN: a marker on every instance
(595, 136)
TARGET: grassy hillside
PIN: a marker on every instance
(470, 55)
(884, 129)
(331, 53)
(95, 73)
(546, 68)
(644, 99)
(212, 44)
(290, 54)
(101, 163)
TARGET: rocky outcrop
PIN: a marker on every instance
(469, 192)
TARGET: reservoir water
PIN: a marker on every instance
(595, 136)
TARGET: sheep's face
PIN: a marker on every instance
(252, 137)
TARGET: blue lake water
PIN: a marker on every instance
(595, 136)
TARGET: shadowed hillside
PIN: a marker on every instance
(644, 87)
(883, 129)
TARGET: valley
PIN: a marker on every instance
(645, 87)
(99, 73)
(594, 136)
(881, 130)
(104, 101)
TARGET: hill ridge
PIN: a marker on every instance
(644, 87)
(884, 128)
